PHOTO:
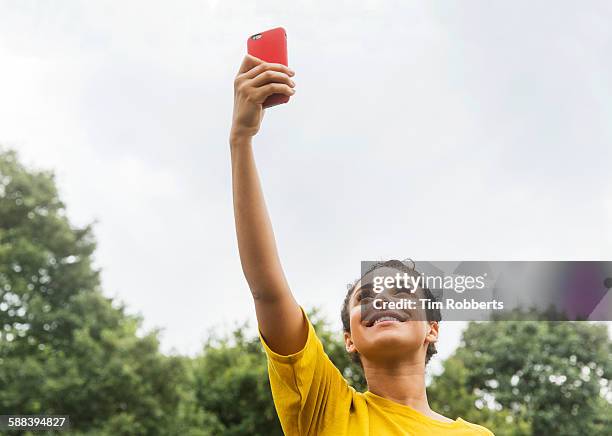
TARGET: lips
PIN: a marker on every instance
(386, 318)
(379, 316)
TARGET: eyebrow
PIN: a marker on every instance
(366, 287)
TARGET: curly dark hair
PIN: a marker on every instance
(431, 314)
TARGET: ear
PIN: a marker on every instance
(348, 343)
(432, 335)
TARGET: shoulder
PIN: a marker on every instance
(478, 429)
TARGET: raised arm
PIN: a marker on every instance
(278, 314)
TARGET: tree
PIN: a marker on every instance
(64, 347)
(67, 349)
(529, 378)
(231, 383)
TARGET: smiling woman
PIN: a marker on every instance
(361, 298)
(393, 346)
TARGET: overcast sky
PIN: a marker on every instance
(430, 130)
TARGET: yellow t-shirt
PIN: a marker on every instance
(312, 398)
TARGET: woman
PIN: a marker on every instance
(310, 394)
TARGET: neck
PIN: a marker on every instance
(402, 382)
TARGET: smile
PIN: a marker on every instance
(386, 318)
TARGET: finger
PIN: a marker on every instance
(271, 76)
(266, 66)
(248, 63)
(260, 94)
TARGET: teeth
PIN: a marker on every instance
(385, 318)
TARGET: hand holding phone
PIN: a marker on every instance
(259, 84)
(270, 46)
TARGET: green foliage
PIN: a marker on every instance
(529, 377)
(66, 349)
(231, 383)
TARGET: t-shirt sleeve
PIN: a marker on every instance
(309, 391)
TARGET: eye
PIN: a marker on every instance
(364, 296)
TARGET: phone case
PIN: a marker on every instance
(270, 46)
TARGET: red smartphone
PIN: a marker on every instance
(270, 46)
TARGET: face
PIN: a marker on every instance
(384, 334)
